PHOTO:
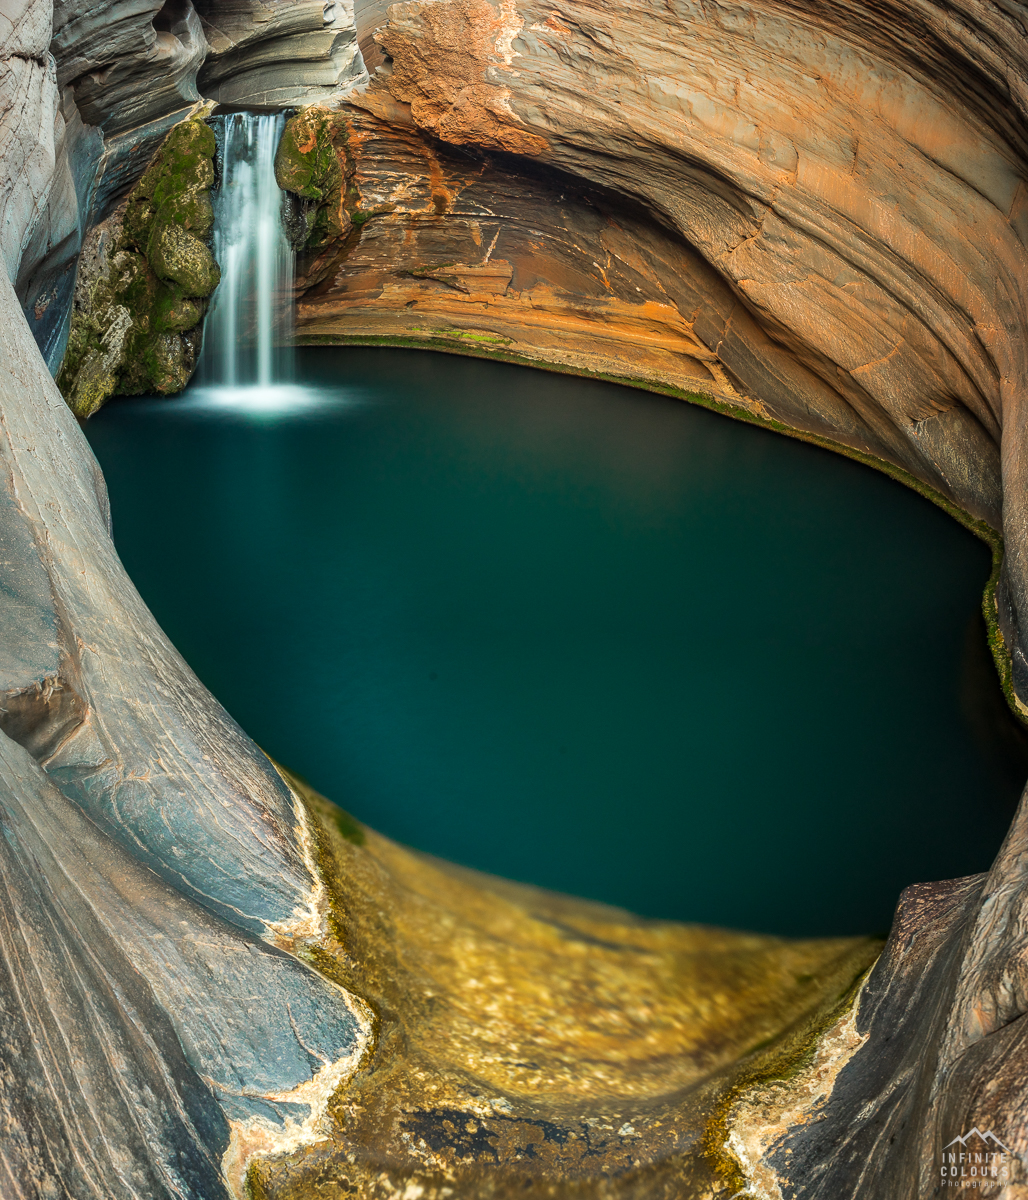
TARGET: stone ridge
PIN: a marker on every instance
(155, 867)
(148, 271)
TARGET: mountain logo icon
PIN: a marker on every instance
(988, 1137)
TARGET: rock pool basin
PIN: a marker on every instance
(579, 635)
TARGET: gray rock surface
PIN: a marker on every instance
(127, 65)
(369, 16)
(279, 53)
(888, 1118)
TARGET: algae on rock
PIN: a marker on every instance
(144, 278)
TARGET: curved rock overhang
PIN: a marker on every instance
(813, 214)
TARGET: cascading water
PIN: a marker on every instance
(248, 334)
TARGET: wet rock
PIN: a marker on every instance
(176, 256)
(535, 1045)
(306, 162)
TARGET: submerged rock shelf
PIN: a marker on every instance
(814, 216)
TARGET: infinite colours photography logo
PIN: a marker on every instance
(975, 1160)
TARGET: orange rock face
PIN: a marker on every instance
(443, 69)
(454, 251)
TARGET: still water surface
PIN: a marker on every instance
(578, 635)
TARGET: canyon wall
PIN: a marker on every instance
(814, 217)
(811, 214)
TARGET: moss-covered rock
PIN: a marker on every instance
(175, 187)
(306, 162)
(144, 276)
(310, 164)
(176, 256)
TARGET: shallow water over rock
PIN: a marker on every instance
(579, 635)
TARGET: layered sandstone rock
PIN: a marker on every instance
(280, 53)
(827, 168)
(456, 252)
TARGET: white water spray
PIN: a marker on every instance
(249, 331)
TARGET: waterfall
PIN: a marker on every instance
(248, 333)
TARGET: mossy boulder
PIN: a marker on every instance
(175, 187)
(144, 278)
(170, 364)
(311, 165)
(97, 356)
(306, 162)
(176, 256)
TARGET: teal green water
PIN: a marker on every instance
(579, 635)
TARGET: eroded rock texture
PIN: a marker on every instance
(828, 202)
(157, 871)
(464, 252)
(153, 859)
(812, 214)
(279, 53)
(534, 1045)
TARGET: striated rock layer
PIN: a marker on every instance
(808, 214)
(458, 252)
